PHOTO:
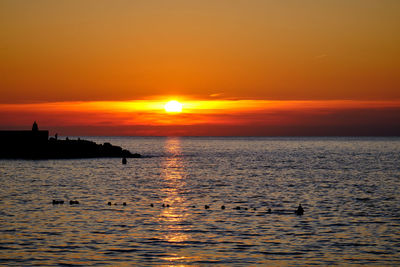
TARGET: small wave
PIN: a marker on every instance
(282, 253)
(50, 233)
(6, 248)
(121, 250)
(363, 199)
(353, 245)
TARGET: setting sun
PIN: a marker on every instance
(173, 106)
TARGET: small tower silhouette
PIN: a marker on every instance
(35, 127)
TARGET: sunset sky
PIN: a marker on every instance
(251, 67)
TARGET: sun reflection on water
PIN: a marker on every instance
(172, 218)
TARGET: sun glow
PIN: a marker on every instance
(173, 106)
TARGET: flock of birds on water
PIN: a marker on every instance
(298, 211)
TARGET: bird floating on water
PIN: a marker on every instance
(300, 210)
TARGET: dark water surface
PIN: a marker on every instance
(349, 188)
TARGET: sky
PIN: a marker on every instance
(254, 67)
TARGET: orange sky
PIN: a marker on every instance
(302, 66)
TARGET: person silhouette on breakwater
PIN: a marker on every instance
(35, 127)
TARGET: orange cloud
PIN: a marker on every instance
(208, 117)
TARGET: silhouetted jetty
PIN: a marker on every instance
(36, 144)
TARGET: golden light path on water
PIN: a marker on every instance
(171, 218)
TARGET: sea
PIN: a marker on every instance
(201, 201)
